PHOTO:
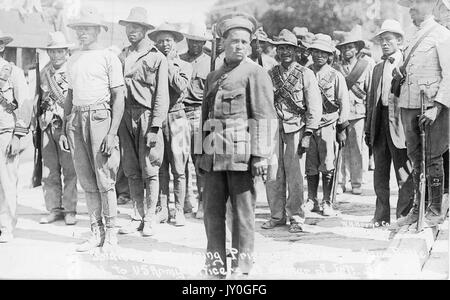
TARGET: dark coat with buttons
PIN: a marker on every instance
(238, 117)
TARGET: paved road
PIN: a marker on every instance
(334, 248)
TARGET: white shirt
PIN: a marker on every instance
(389, 67)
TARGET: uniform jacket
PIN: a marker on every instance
(306, 94)
(332, 82)
(146, 73)
(358, 104)
(373, 124)
(238, 117)
(15, 90)
(201, 67)
(180, 73)
(428, 68)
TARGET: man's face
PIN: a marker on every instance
(195, 48)
(349, 51)
(2, 47)
(135, 32)
(236, 44)
(320, 58)
(419, 10)
(165, 42)
(58, 57)
(389, 42)
(286, 53)
(87, 34)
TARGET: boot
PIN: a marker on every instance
(148, 229)
(413, 215)
(433, 211)
(327, 186)
(312, 204)
(96, 240)
(110, 242)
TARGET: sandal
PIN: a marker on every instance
(271, 224)
(295, 228)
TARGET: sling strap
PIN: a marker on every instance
(356, 73)
(327, 104)
(284, 94)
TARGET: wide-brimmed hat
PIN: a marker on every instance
(286, 37)
(197, 31)
(166, 28)
(261, 35)
(89, 16)
(389, 25)
(323, 42)
(352, 37)
(300, 31)
(57, 40)
(4, 38)
(138, 15)
(307, 40)
(236, 20)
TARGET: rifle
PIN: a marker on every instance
(423, 178)
(336, 174)
(213, 48)
(37, 136)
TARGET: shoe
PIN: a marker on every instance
(122, 200)
(148, 231)
(271, 224)
(199, 215)
(411, 218)
(357, 191)
(132, 227)
(295, 228)
(52, 217)
(162, 215)
(172, 215)
(312, 206)
(180, 219)
(327, 210)
(340, 189)
(110, 242)
(70, 219)
(96, 240)
(6, 237)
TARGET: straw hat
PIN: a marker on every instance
(353, 37)
(261, 35)
(5, 39)
(166, 28)
(197, 31)
(300, 31)
(89, 16)
(391, 26)
(138, 15)
(286, 38)
(324, 43)
(57, 40)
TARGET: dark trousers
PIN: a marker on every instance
(386, 153)
(239, 188)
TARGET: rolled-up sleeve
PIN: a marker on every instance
(313, 100)
(24, 102)
(115, 72)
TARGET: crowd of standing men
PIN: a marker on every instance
(150, 112)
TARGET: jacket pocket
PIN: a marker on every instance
(233, 102)
(430, 87)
